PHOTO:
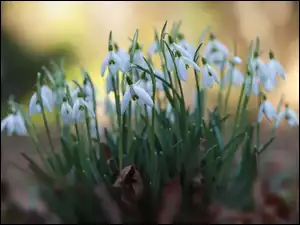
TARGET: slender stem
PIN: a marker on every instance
(117, 100)
(238, 110)
(228, 93)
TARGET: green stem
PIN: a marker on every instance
(228, 93)
(238, 110)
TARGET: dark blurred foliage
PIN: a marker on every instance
(20, 67)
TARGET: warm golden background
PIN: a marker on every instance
(32, 33)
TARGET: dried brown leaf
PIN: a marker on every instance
(131, 184)
(171, 201)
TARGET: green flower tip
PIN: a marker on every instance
(129, 81)
(170, 39)
(180, 36)
(80, 95)
(271, 54)
(116, 47)
(204, 61)
(177, 54)
(110, 48)
(143, 76)
(286, 105)
(65, 99)
(256, 54)
(263, 96)
(212, 36)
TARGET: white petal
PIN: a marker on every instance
(109, 84)
(143, 95)
(153, 48)
(181, 69)
(118, 61)
(279, 117)
(90, 109)
(191, 62)
(33, 107)
(221, 47)
(105, 64)
(214, 74)
(182, 51)
(125, 101)
(269, 110)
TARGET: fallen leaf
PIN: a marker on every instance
(131, 184)
(171, 201)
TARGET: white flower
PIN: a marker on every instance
(181, 62)
(267, 109)
(259, 68)
(275, 67)
(289, 115)
(14, 123)
(214, 45)
(233, 75)
(114, 61)
(138, 59)
(254, 88)
(268, 84)
(209, 75)
(216, 58)
(187, 46)
(79, 108)
(135, 92)
(182, 51)
(47, 98)
(153, 48)
(109, 82)
(66, 112)
(124, 56)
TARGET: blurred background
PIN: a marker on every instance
(33, 33)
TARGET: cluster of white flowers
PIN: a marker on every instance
(179, 55)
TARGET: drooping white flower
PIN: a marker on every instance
(289, 115)
(79, 108)
(135, 92)
(47, 98)
(233, 75)
(182, 63)
(236, 60)
(266, 108)
(275, 68)
(109, 82)
(124, 56)
(214, 45)
(186, 45)
(183, 51)
(209, 75)
(268, 84)
(66, 112)
(259, 68)
(138, 59)
(14, 123)
(112, 59)
(252, 84)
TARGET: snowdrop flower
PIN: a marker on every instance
(79, 108)
(109, 83)
(66, 112)
(138, 59)
(215, 46)
(186, 45)
(113, 60)
(275, 67)
(259, 68)
(209, 75)
(289, 115)
(182, 63)
(136, 93)
(268, 84)
(124, 56)
(267, 109)
(252, 84)
(14, 123)
(233, 74)
(47, 98)
(59, 94)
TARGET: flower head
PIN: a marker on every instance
(233, 75)
(275, 67)
(289, 115)
(252, 84)
(79, 108)
(266, 108)
(209, 75)
(215, 46)
(14, 123)
(66, 112)
(113, 61)
(182, 63)
(47, 99)
(135, 92)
